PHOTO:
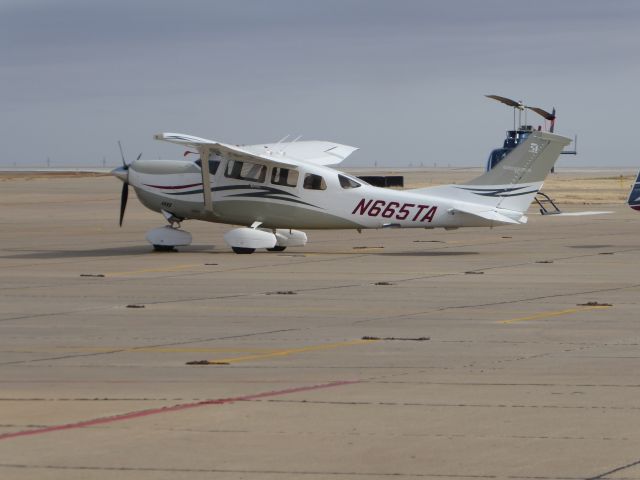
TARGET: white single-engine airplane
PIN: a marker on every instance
(275, 189)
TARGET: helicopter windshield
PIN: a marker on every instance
(496, 156)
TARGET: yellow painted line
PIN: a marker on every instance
(175, 268)
(198, 350)
(144, 349)
(553, 314)
(292, 351)
(255, 353)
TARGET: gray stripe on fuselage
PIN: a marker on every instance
(277, 215)
(245, 212)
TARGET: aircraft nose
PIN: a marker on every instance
(122, 173)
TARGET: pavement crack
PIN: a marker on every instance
(160, 345)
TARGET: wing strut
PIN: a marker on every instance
(205, 153)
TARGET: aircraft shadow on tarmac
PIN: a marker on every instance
(138, 250)
(590, 246)
(426, 254)
(102, 252)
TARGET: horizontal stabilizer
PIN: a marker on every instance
(491, 215)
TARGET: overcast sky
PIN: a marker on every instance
(403, 80)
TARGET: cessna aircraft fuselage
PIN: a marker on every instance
(326, 199)
(272, 189)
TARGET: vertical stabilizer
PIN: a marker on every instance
(514, 182)
(530, 162)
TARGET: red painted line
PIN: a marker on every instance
(173, 408)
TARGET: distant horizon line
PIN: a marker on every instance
(107, 168)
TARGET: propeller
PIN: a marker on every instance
(123, 200)
(123, 174)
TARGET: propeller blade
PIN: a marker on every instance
(123, 200)
(506, 101)
(543, 113)
(124, 164)
(206, 179)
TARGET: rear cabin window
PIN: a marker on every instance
(213, 165)
(284, 177)
(346, 182)
(314, 182)
(253, 172)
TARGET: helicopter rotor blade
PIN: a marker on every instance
(506, 101)
(543, 113)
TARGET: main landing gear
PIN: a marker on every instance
(242, 241)
(247, 239)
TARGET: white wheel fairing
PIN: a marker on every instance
(169, 237)
(250, 238)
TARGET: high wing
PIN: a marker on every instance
(309, 151)
(286, 153)
(206, 147)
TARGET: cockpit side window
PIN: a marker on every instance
(213, 165)
(253, 172)
(346, 182)
(314, 182)
(284, 177)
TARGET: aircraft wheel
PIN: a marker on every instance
(277, 248)
(164, 248)
(241, 250)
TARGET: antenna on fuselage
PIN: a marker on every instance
(282, 139)
(290, 143)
